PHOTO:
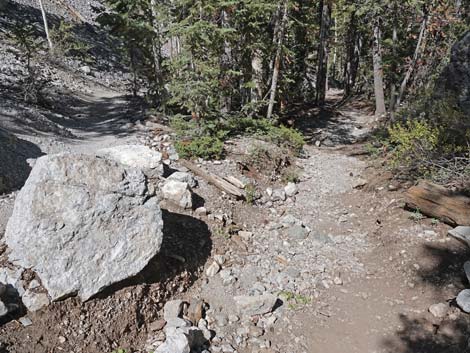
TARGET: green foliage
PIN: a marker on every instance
(204, 138)
(250, 194)
(25, 39)
(67, 43)
(291, 175)
(414, 140)
(294, 300)
(205, 147)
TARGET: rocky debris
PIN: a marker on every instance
(256, 304)
(278, 195)
(173, 309)
(178, 192)
(184, 178)
(439, 310)
(291, 189)
(463, 300)
(136, 156)
(86, 69)
(181, 339)
(201, 211)
(180, 336)
(34, 301)
(67, 224)
(462, 233)
(298, 233)
(213, 269)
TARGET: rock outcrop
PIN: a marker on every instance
(83, 223)
(454, 81)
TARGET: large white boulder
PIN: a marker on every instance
(136, 156)
(82, 223)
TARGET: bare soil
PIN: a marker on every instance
(392, 267)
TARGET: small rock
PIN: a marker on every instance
(177, 322)
(213, 269)
(255, 331)
(463, 300)
(255, 305)
(178, 192)
(359, 183)
(184, 178)
(196, 311)
(35, 301)
(157, 325)
(439, 310)
(338, 281)
(62, 339)
(172, 309)
(85, 69)
(269, 192)
(462, 233)
(289, 220)
(221, 320)
(25, 321)
(201, 211)
(279, 195)
(298, 233)
(220, 259)
(291, 189)
(245, 235)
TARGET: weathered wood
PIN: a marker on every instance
(214, 180)
(436, 201)
(234, 181)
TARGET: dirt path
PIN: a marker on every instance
(359, 277)
(364, 278)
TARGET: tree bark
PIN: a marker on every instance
(46, 26)
(156, 51)
(409, 72)
(277, 60)
(257, 75)
(378, 72)
(439, 202)
(322, 65)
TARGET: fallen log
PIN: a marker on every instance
(214, 180)
(438, 202)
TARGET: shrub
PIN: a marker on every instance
(66, 42)
(205, 147)
(415, 140)
(194, 136)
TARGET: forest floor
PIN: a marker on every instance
(361, 281)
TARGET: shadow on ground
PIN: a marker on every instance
(333, 124)
(14, 166)
(443, 271)
(121, 316)
(185, 249)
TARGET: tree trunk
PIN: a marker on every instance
(46, 27)
(277, 60)
(409, 72)
(257, 75)
(378, 72)
(156, 51)
(353, 52)
(322, 65)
